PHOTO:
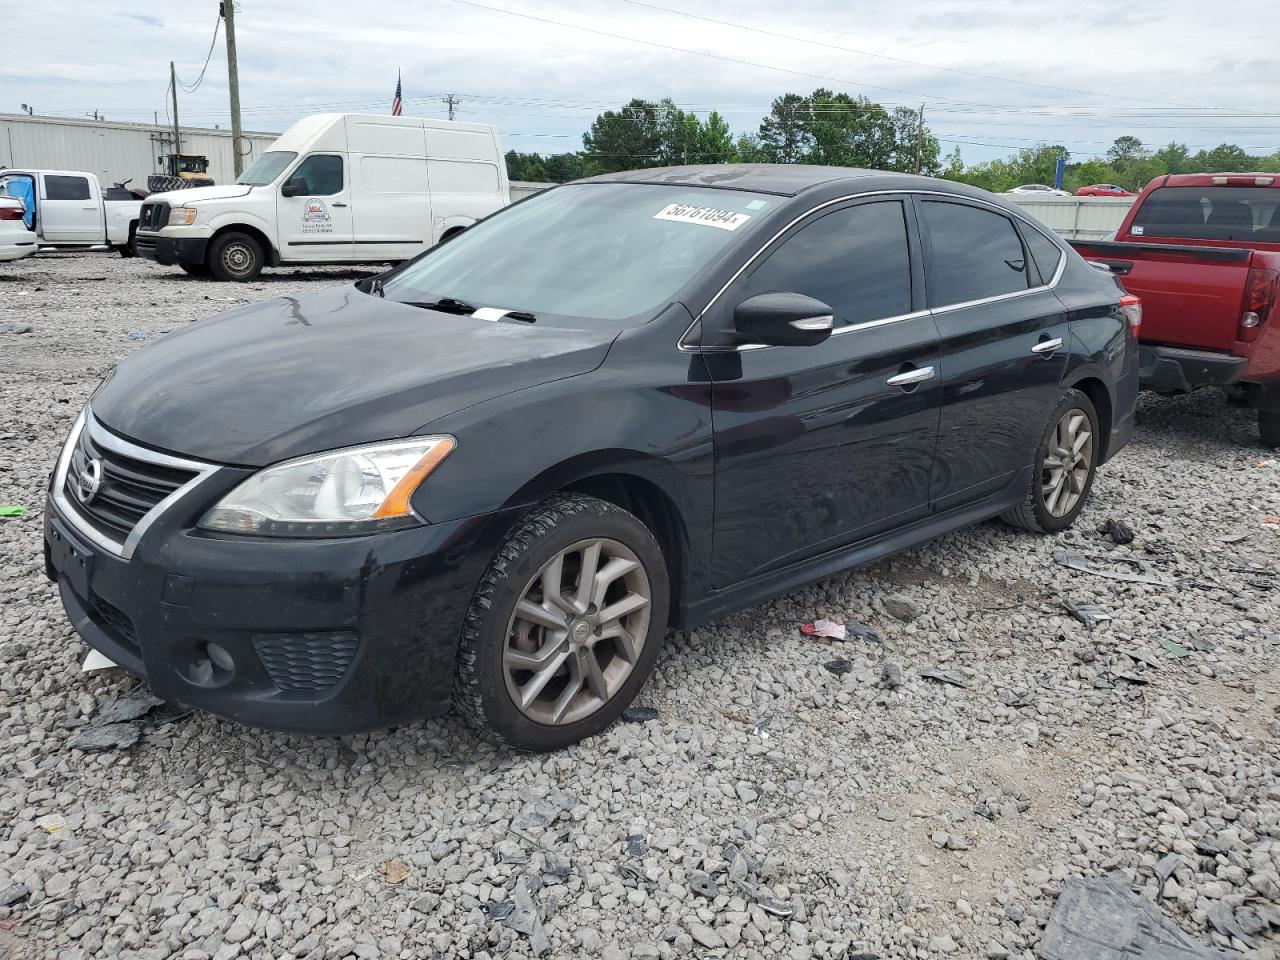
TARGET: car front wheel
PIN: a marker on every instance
(1066, 461)
(236, 257)
(565, 626)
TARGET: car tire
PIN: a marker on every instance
(1056, 495)
(563, 700)
(130, 249)
(235, 257)
(195, 269)
(1269, 427)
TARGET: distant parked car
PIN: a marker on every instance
(1039, 190)
(16, 241)
(1104, 190)
(495, 474)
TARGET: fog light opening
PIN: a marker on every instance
(211, 666)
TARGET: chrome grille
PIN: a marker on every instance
(111, 489)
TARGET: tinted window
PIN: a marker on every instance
(1209, 213)
(323, 174)
(597, 251)
(975, 254)
(854, 260)
(1044, 252)
(66, 188)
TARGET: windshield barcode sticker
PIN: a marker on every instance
(707, 216)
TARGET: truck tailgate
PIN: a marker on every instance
(1191, 295)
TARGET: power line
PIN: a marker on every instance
(881, 56)
(217, 24)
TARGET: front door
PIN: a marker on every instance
(1005, 341)
(817, 447)
(315, 225)
(70, 210)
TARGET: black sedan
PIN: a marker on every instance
(496, 475)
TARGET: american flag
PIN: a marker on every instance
(395, 102)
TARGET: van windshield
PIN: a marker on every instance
(266, 168)
(607, 251)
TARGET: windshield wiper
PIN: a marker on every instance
(444, 305)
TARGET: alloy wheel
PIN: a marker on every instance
(1064, 472)
(577, 631)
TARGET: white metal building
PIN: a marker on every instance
(115, 151)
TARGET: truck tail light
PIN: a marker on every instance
(10, 213)
(1259, 298)
(1131, 307)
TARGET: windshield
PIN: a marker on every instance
(266, 168)
(606, 251)
(1210, 213)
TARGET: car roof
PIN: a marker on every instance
(786, 179)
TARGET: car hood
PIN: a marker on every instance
(222, 191)
(297, 375)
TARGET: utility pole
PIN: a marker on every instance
(452, 101)
(173, 86)
(228, 8)
(919, 138)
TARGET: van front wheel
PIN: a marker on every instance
(235, 257)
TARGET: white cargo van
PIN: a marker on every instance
(335, 188)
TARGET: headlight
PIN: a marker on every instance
(182, 216)
(336, 494)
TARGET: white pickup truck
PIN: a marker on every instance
(68, 209)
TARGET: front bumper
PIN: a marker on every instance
(323, 637)
(171, 250)
(1179, 370)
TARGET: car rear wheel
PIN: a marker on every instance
(1269, 427)
(195, 269)
(1066, 462)
(236, 257)
(565, 626)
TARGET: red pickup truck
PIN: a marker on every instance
(1202, 250)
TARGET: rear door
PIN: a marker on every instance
(1004, 347)
(70, 209)
(393, 202)
(316, 225)
(817, 447)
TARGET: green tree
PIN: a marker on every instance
(715, 141)
(627, 139)
(526, 166)
(1224, 158)
(1175, 157)
(563, 167)
(1125, 149)
(784, 136)
(906, 131)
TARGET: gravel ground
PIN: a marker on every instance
(775, 807)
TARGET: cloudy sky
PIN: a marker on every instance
(994, 75)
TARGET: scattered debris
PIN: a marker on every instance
(900, 607)
(1102, 919)
(1119, 531)
(1222, 919)
(702, 884)
(523, 918)
(1271, 523)
(1163, 870)
(1203, 645)
(761, 728)
(1075, 560)
(51, 822)
(637, 846)
(1175, 648)
(863, 631)
(111, 736)
(831, 629)
(890, 675)
(97, 661)
(13, 510)
(953, 677)
(1141, 656)
(1135, 679)
(14, 894)
(1266, 462)
(134, 705)
(394, 871)
(639, 714)
(15, 328)
(136, 335)
(1233, 538)
(1086, 613)
(839, 667)
(499, 909)
(768, 903)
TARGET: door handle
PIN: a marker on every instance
(338, 204)
(909, 377)
(1047, 346)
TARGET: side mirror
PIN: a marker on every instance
(294, 187)
(784, 320)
